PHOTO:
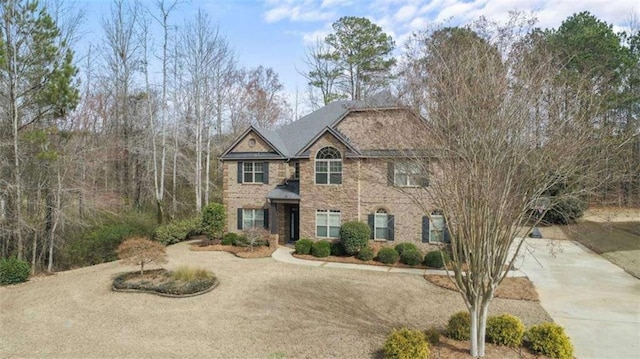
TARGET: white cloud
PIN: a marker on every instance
(335, 3)
(296, 11)
(406, 12)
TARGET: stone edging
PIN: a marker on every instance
(215, 284)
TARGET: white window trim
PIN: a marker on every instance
(253, 172)
(328, 173)
(252, 217)
(328, 213)
(375, 226)
(409, 175)
(431, 226)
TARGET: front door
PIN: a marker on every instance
(294, 224)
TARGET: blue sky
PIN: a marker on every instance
(276, 33)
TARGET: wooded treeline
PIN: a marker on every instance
(135, 124)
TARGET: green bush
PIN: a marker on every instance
(388, 255)
(354, 236)
(13, 270)
(178, 231)
(400, 248)
(411, 257)
(337, 249)
(213, 220)
(434, 259)
(229, 239)
(549, 339)
(459, 326)
(365, 254)
(433, 335)
(565, 211)
(505, 329)
(406, 344)
(321, 249)
(303, 246)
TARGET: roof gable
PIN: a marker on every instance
(263, 146)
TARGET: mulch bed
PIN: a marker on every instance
(519, 288)
(242, 252)
(160, 282)
(454, 349)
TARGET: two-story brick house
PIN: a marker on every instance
(344, 162)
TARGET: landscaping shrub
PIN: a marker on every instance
(13, 270)
(406, 344)
(97, 242)
(141, 251)
(549, 339)
(178, 231)
(411, 257)
(388, 255)
(434, 259)
(230, 239)
(197, 280)
(254, 237)
(188, 274)
(213, 220)
(400, 248)
(505, 329)
(321, 249)
(459, 326)
(433, 335)
(365, 254)
(337, 249)
(354, 236)
(565, 211)
(303, 246)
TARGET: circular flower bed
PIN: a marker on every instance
(184, 282)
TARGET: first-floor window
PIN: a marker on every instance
(381, 224)
(252, 218)
(433, 229)
(328, 223)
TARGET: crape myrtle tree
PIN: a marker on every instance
(500, 137)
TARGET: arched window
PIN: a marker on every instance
(328, 166)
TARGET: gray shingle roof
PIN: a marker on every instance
(288, 191)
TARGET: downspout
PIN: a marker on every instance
(359, 211)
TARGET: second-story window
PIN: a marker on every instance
(253, 172)
(328, 166)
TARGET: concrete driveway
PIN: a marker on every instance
(595, 301)
(261, 309)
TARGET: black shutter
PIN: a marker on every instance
(424, 179)
(265, 176)
(425, 229)
(371, 220)
(239, 172)
(447, 236)
(390, 174)
(390, 228)
(240, 219)
(266, 218)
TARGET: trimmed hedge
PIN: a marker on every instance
(321, 249)
(214, 217)
(388, 255)
(434, 259)
(411, 257)
(433, 335)
(402, 247)
(303, 246)
(337, 249)
(505, 329)
(365, 254)
(549, 339)
(354, 236)
(459, 326)
(13, 270)
(406, 344)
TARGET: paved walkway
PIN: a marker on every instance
(285, 254)
(594, 300)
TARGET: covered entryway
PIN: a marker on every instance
(284, 211)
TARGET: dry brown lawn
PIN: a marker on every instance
(242, 252)
(519, 288)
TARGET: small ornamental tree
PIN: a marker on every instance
(141, 251)
(213, 219)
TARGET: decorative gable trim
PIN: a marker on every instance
(242, 137)
(351, 150)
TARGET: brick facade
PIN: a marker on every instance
(364, 187)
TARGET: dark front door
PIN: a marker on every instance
(294, 225)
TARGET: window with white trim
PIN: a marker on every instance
(408, 174)
(252, 218)
(328, 166)
(328, 223)
(436, 229)
(380, 224)
(253, 172)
